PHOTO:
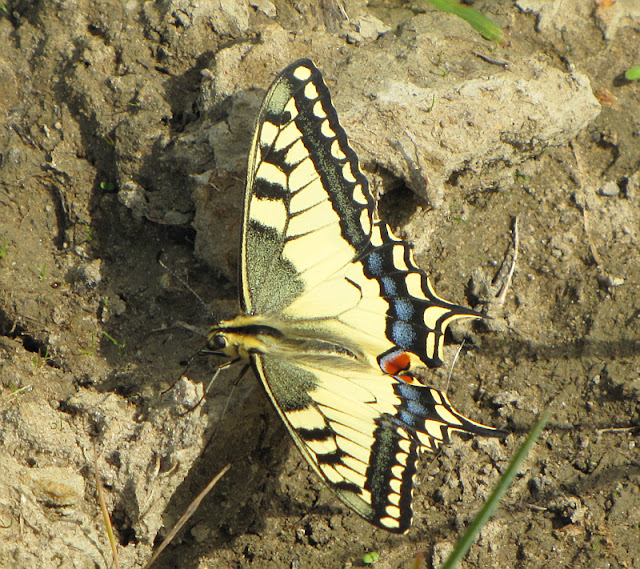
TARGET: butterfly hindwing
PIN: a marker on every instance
(417, 317)
(362, 431)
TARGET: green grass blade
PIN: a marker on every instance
(483, 25)
(469, 536)
(633, 73)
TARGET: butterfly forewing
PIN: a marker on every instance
(308, 210)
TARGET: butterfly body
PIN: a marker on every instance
(337, 315)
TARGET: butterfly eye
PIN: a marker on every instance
(219, 342)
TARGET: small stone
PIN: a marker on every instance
(264, 6)
(118, 306)
(91, 273)
(56, 486)
(354, 38)
(201, 534)
(370, 28)
(633, 185)
(441, 551)
(132, 196)
(506, 398)
(614, 281)
(609, 189)
(187, 394)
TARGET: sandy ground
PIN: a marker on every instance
(125, 132)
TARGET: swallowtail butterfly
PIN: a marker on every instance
(336, 314)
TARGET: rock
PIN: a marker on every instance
(609, 189)
(56, 486)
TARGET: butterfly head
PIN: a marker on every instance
(222, 342)
(237, 339)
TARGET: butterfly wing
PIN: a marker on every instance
(362, 431)
(311, 248)
(308, 211)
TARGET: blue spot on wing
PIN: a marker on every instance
(403, 334)
(407, 418)
(404, 309)
(375, 262)
(389, 286)
(404, 390)
(416, 407)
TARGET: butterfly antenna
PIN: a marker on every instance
(184, 284)
(235, 383)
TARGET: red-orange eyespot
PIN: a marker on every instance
(395, 362)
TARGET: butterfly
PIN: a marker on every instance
(336, 314)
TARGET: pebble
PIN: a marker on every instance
(609, 189)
